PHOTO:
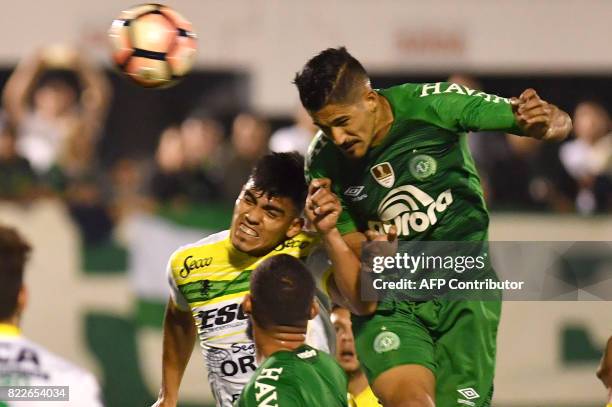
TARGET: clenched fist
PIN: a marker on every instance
(322, 206)
(540, 119)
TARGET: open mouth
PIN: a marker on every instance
(247, 230)
(346, 355)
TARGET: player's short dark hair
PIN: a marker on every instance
(14, 252)
(281, 174)
(282, 291)
(329, 77)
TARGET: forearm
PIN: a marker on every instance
(96, 92)
(19, 86)
(178, 342)
(347, 272)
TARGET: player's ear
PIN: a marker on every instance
(314, 310)
(371, 100)
(296, 227)
(247, 305)
(22, 300)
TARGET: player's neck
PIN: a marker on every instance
(357, 382)
(277, 338)
(384, 120)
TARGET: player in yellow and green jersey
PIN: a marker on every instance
(292, 374)
(209, 279)
(604, 372)
(396, 161)
(360, 392)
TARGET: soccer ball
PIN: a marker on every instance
(153, 45)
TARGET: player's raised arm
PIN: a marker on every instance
(458, 108)
(178, 342)
(19, 86)
(323, 209)
(96, 93)
(540, 119)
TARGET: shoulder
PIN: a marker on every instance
(60, 368)
(275, 380)
(300, 246)
(429, 90)
(203, 251)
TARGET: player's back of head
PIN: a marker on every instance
(332, 76)
(282, 292)
(14, 252)
(281, 174)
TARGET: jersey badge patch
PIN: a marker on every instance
(422, 166)
(386, 341)
(383, 174)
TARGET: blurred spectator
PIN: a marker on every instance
(202, 144)
(534, 177)
(296, 137)
(203, 138)
(588, 158)
(57, 101)
(249, 140)
(182, 158)
(89, 210)
(127, 188)
(170, 161)
(57, 125)
(17, 180)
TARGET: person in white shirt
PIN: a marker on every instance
(296, 137)
(588, 158)
(23, 362)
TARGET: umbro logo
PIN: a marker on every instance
(354, 190)
(355, 193)
(469, 393)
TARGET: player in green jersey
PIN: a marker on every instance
(280, 304)
(396, 161)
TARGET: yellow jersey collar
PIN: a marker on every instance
(9, 330)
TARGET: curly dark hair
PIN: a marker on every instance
(329, 77)
(281, 174)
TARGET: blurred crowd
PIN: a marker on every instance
(53, 114)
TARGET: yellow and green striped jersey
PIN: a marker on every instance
(364, 399)
(210, 278)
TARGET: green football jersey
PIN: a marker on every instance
(304, 377)
(421, 177)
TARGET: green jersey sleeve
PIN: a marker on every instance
(321, 162)
(458, 108)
